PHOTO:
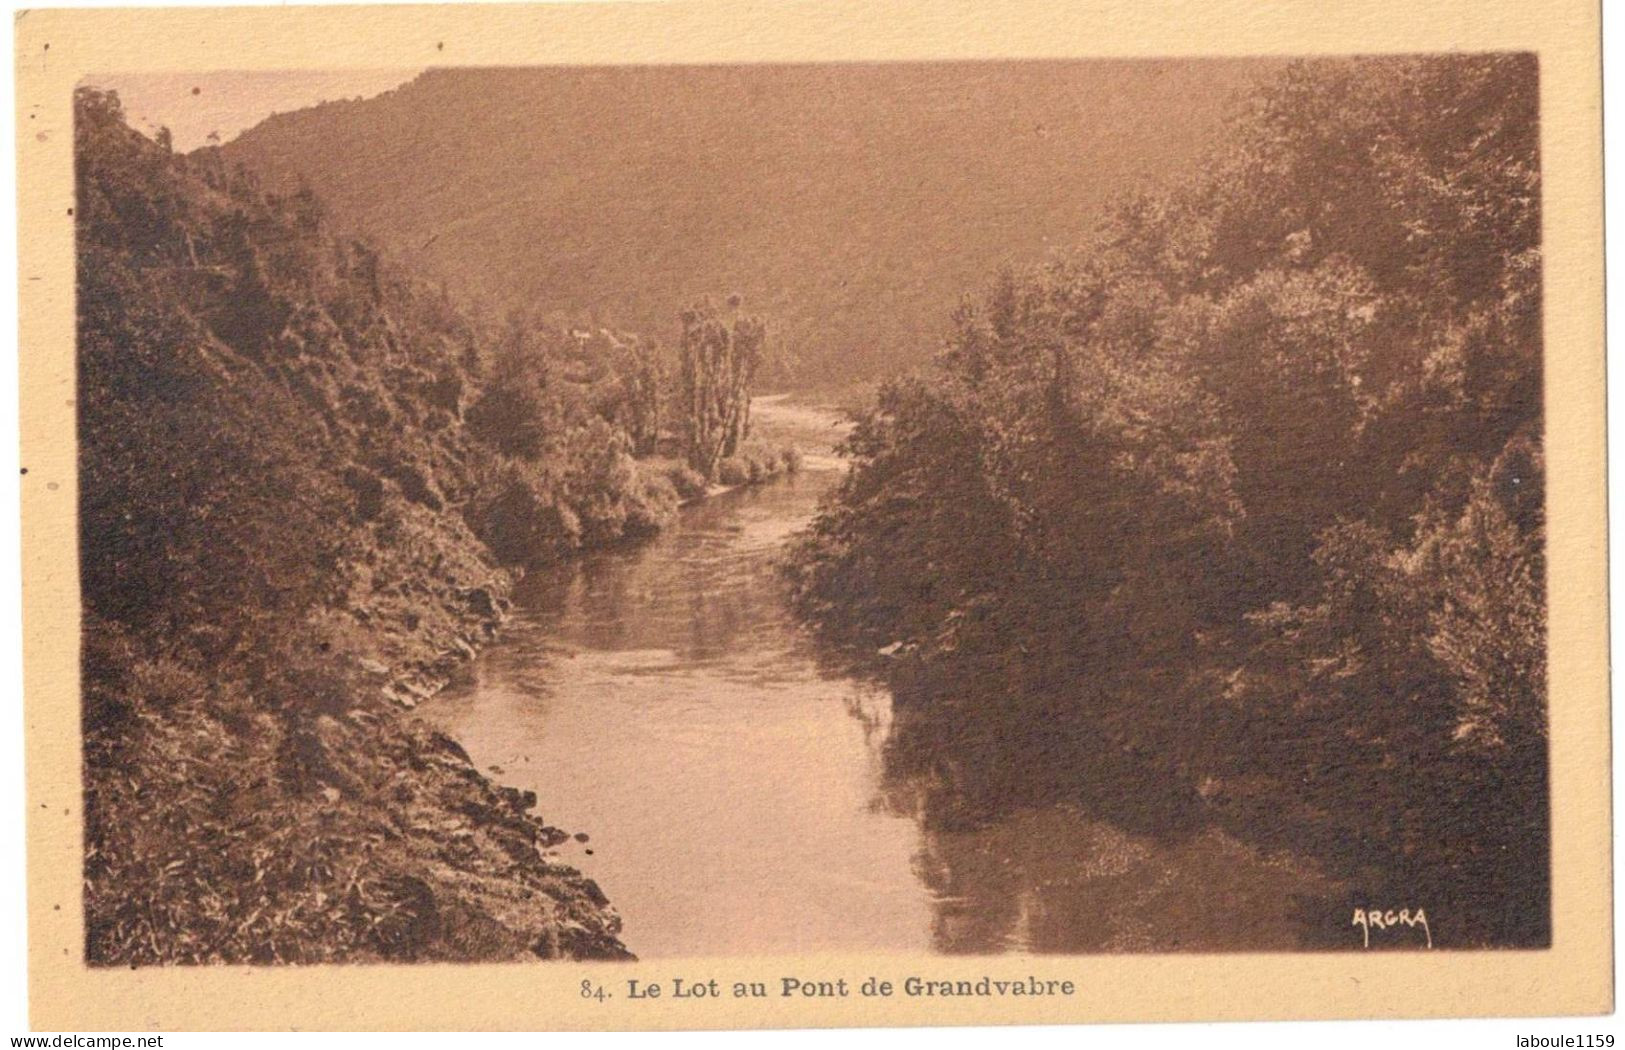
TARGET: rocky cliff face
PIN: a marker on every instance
(277, 565)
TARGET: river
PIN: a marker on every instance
(735, 793)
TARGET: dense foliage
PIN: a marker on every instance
(301, 477)
(1246, 498)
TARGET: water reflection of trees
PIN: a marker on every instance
(702, 602)
(1038, 836)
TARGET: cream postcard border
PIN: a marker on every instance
(55, 48)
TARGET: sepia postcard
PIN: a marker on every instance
(718, 515)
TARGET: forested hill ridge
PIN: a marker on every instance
(305, 483)
(853, 203)
(1238, 514)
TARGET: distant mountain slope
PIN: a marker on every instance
(852, 204)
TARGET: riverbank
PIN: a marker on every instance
(322, 821)
(500, 854)
(307, 485)
(1226, 519)
(286, 535)
(662, 695)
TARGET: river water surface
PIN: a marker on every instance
(735, 790)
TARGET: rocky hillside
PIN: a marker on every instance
(854, 204)
(286, 536)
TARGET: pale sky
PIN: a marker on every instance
(192, 105)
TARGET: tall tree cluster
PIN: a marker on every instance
(720, 353)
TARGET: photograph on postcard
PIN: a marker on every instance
(974, 507)
(713, 515)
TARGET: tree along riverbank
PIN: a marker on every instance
(307, 485)
(1237, 514)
